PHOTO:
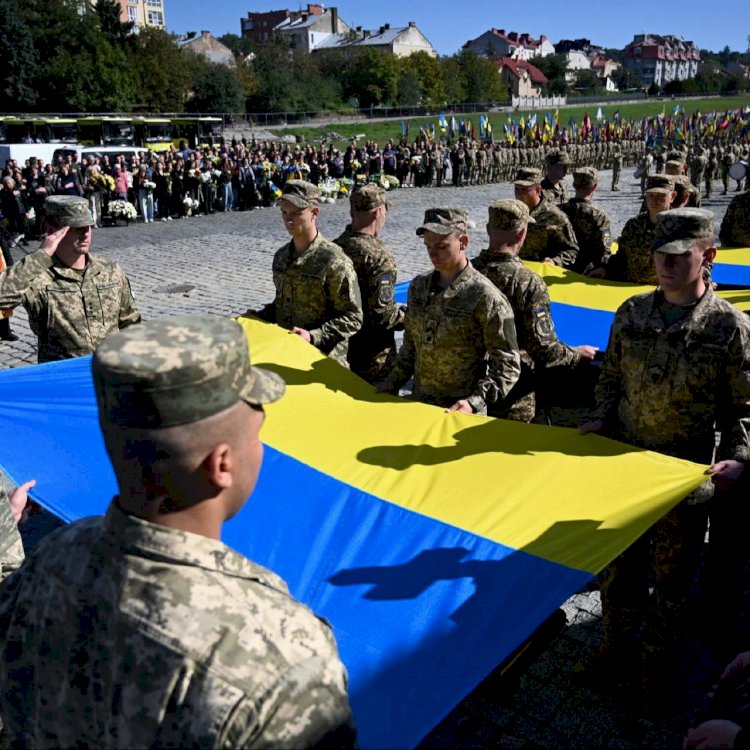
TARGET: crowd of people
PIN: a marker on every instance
(477, 334)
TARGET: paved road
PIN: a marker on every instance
(221, 264)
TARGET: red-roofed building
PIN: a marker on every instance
(661, 59)
(498, 43)
(520, 77)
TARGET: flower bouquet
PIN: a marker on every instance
(122, 210)
(148, 185)
(206, 176)
(106, 181)
(387, 181)
(31, 216)
(190, 205)
(329, 189)
(355, 165)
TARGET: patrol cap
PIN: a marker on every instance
(585, 177)
(368, 197)
(528, 177)
(444, 221)
(175, 371)
(677, 230)
(660, 183)
(301, 193)
(509, 214)
(69, 211)
(676, 155)
(557, 157)
(675, 163)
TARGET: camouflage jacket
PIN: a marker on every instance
(634, 260)
(669, 387)
(376, 272)
(551, 236)
(11, 547)
(529, 298)
(70, 311)
(121, 633)
(555, 194)
(735, 227)
(459, 342)
(317, 291)
(593, 234)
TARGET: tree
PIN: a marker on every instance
(240, 46)
(112, 28)
(163, 71)
(587, 81)
(625, 79)
(217, 90)
(428, 73)
(554, 68)
(374, 76)
(18, 58)
(482, 80)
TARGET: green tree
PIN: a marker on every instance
(587, 81)
(240, 46)
(481, 77)
(625, 79)
(18, 57)
(162, 70)
(217, 90)
(374, 75)
(554, 68)
(112, 28)
(428, 74)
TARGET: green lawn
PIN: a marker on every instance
(381, 131)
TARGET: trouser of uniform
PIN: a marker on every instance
(725, 180)
(709, 185)
(615, 179)
(666, 557)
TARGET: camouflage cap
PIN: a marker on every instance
(368, 197)
(509, 214)
(176, 371)
(528, 176)
(585, 177)
(676, 156)
(444, 221)
(677, 230)
(557, 157)
(69, 211)
(301, 193)
(660, 183)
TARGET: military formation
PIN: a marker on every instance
(155, 581)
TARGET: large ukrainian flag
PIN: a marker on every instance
(435, 543)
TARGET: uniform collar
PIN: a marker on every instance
(158, 542)
(93, 266)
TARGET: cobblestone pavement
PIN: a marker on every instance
(222, 264)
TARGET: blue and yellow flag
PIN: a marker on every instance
(434, 543)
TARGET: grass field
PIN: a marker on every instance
(382, 130)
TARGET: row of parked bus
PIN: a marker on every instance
(155, 133)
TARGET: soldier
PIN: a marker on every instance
(373, 347)
(677, 368)
(698, 167)
(711, 167)
(591, 225)
(616, 168)
(735, 228)
(317, 295)
(74, 299)
(529, 299)
(634, 261)
(140, 628)
(550, 238)
(553, 185)
(726, 161)
(459, 341)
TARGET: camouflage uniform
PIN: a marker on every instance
(119, 632)
(551, 236)
(11, 547)
(70, 311)
(459, 342)
(616, 169)
(373, 347)
(735, 228)
(671, 377)
(555, 195)
(317, 291)
(634, 260)
(537, 340)
(590, 224)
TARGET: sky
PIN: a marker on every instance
(448, 25)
